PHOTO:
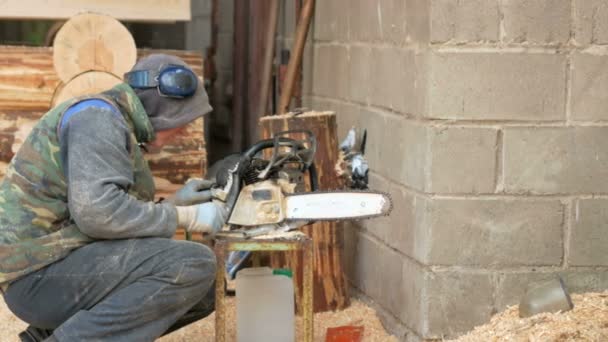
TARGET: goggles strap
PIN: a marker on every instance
(142, 78)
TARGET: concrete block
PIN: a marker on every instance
(464, 21)
(392, 18)
(555, 160)
(378, 273)
(489, 86)
(495, 232)
(463, 160)
(413, 90)
(403, 230)
(589, 98)
(409, 148)
(348, 116)
(360, 65)
(588, 239)
(584, 280)
(364, 20)
(390, 290)
(388, 77)
(330, 77)
(456, 302)
(396, 148)
(367, 273)
(590, 22)
(536, 22)
(417, 21)
(511, 287)
(379, 156)
(351, 233)
(395, 77)
(393, 282)
(412, 292)
(331, 20)
(321, 104)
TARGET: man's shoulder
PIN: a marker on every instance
(91, 108)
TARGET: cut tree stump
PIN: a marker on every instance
(87, 83)
(330, 287)
(93, 42)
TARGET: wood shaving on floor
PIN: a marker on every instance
(204, 331)
(588, 321)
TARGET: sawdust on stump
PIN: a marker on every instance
(588, 321)
(204, 330)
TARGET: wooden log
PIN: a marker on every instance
(132, 10)
(330, 287)
(93, 42)
(28, 79)
(89, 82)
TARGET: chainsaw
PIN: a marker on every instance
(274, 187)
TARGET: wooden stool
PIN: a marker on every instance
(284, 242)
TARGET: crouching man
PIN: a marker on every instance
(85, 252)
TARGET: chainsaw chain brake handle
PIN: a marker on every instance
(284, 151)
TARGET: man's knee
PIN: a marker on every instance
(197, 263)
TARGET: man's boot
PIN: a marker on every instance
(33, 334)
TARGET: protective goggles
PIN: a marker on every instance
(171, 80)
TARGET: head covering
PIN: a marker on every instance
(167, 112)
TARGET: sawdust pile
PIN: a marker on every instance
(204, 330)
(588, 321)
(357, 314)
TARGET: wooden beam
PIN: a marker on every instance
(127, 10)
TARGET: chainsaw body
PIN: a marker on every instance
(273, 186)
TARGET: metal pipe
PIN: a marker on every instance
(296, 57)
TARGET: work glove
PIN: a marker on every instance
(195, 191)
(207, 217)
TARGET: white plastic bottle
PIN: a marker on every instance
(264, 306)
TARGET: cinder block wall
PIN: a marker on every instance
(488, 125)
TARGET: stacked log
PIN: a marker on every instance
(91, 53)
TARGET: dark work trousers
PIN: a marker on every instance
(118, 290)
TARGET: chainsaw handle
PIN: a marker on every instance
(235, 189)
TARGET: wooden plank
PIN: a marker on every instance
(330, 287)
(28, 79)
(128, 10)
